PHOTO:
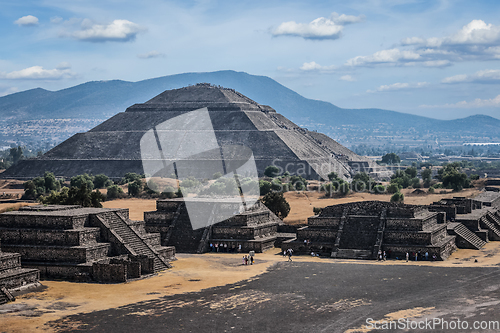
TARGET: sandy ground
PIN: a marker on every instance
(191, 273)
(302, 203)
(136, 206)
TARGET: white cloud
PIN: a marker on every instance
(346, 19)
(347, 78)
(152, 54)
(384, 56)
(476, 40)
(484, 76)
(313, 66)
(39, 73)
(477, 103)
(118, 30)
(28, 20)
(320, 28)
(398, 86)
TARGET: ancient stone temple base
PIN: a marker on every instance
(360, 230)
(254, 229)
(83, 244)
(13, 277)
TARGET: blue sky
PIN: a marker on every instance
(433, 58)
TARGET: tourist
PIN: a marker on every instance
(385, 256)
(426, 256)
(225, 247)
(216, 247)
(407, 256)
(379, 255)
(244, 260)
(239, 248)
(211, 247)
(290, 254)
(251, 260)
(221, 246)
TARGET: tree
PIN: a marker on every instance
(393, 188)
(451, 176)
(332, 176)
(114, 191)
(130, 177)
(391, 158)
(135, 188)
(82, 196)
(51, 184)
(398, 197)
(271, 171)
(361, 182)
(79, 180)
(426, 177)
(277, 204)
(265, 187)
(411, 172)
(102, 181)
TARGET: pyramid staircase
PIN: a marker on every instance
(488, 222)
(465, 237)
(131, 240)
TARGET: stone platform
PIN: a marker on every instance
(76, 243)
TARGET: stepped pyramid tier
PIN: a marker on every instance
(15, 279)
(360, 230)
(114, 147)
(76, 243)
(254, 229)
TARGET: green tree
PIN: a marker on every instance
(393, 188)
(332, 176)
(398, 197)
(411, 172)
(114, 191)
(79, 180)
(50, 182)
(277, 204)
(391, 158)
(362, 182)
(452, 177)
(426, 177)
(271, 171)
(135, 188)
(265, 187)
(130, 177)
(102, 181)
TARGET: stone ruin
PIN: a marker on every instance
(14, 278)
(83, 244)
(360, 230)
(113, 147)
(255, 229)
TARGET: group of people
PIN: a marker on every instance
(381, 255)
(223, 247)
(420, 256)
(248, 259)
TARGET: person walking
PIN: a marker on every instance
(407, 256)
(289, 254)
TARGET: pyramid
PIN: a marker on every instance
(113, 147)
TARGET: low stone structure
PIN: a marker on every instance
(76, 243)
(254, 229)
(13, 277)
(360, 230)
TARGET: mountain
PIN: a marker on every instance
(103, 99)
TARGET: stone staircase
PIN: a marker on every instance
(489, 223)
(132, 240)
(468, 238)
(5, 296)
(354, 254)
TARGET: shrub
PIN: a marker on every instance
(114, 192)
(277, 204)
(135, 188)
(102, 181)
(398, 197)
(379, 189)
(271, 171)
(79, 180)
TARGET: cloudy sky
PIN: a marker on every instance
(433, 58)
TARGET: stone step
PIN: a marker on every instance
(494, 233)
(470, 237)
(353, 254)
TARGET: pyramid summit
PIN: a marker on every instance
(114, 147)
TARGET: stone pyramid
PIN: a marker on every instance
(113, 147)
